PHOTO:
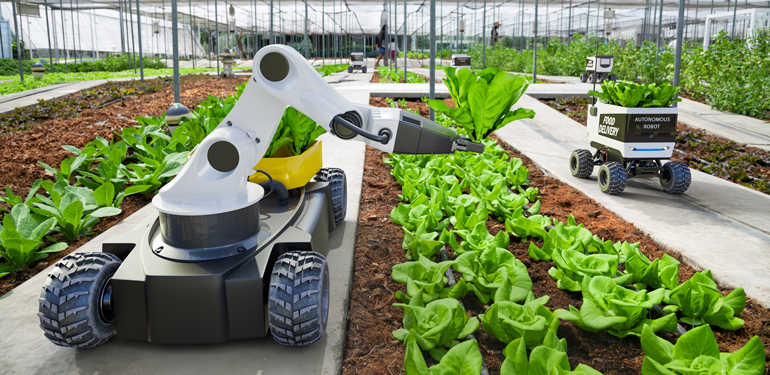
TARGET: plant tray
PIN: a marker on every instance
(292, 171)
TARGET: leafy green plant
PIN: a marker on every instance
(105, 195)
(12, 200)
(620, 311)
(662, 272)
(574, 266)
(66, 168)
(483, 100)
(523, 227)
(461, 359)
(697, 352)
(296, 131)
(20, 237)
(494, 272)
(435, 324)
(637, 95)
(509, 321)
(75, 213)
(427, 277)
(700, 302)
(329, 69)
(547, 359)
(477, 239)
(562, 237)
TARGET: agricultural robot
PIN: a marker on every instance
(224, 258)
(598, 69)
(357, 62)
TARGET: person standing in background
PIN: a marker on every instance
(495, 34)
(393, 47)
(381, 42)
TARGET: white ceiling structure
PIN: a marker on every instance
(356, 17)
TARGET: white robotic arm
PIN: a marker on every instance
(215, 178)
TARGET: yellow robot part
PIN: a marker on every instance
(292, 171)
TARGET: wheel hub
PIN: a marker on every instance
(105, 305)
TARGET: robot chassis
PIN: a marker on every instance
(357, 62)
(221, 259)
(630, 143)
(598, 69)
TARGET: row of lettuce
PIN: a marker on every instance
(437, 214)
(94, 182)
(730, 75)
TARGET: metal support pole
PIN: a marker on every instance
(660, 25)
(120, 17)
(272, 40)
(679, 39)
(406, 45)
(484, 37)
(459, 38)
(139, 30)
(307, 55)
(432, 53)
(18, 40)
(131, 20)
(216, 26)
(534, 56)
(48, 32)
(588, 17)
(93, 45)
(735, 12)
(175, 48)
(323, 32)
(64, 34)
(192, 33)
(569, 24)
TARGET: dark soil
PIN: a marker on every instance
(370, 347)
(723, 158)
(20, 152)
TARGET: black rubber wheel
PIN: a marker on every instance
(583, 77)
(350, 69)
(363, 69)
(581, 163)
(298, 301)
(338, 184)
(592, 78)
(70, 308)
(612, 178)
(675, 177)
(613, 77)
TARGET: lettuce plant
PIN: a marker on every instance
(523, 227)
(463, 220)
(419, 213)
(21, 235)
(573, 266)
(75, 214)
(461, 359)
(547, 359)
(700, 302)
(296, 131)
(477, 239)
(620, 311)
(422, 275)
(66, 167)
(483, 100)
(561, 237)
(105, 195)
(421, 242)
(697, 352)
(489, 270)
(637, 94)
(435, 324)
(662, 272)
(509, 321)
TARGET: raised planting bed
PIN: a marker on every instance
(44, 138)
(371, 347)
(741, 164)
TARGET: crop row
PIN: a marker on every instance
(436, 213)
(94, 181)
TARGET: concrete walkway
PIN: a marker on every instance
(26, 351)
(716, 225)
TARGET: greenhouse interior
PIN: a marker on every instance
(419, 187)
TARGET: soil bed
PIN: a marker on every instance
(740, 164)
(20, 152)
(370, 347)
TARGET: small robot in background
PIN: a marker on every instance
(461, 60)
(357, 62)
(598, 69)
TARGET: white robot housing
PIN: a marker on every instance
(461, 60)
(357, 62)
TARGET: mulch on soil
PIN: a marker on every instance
(721, 157)
(20, 152)
(370, 347)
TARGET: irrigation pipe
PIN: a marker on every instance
(451, 282)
